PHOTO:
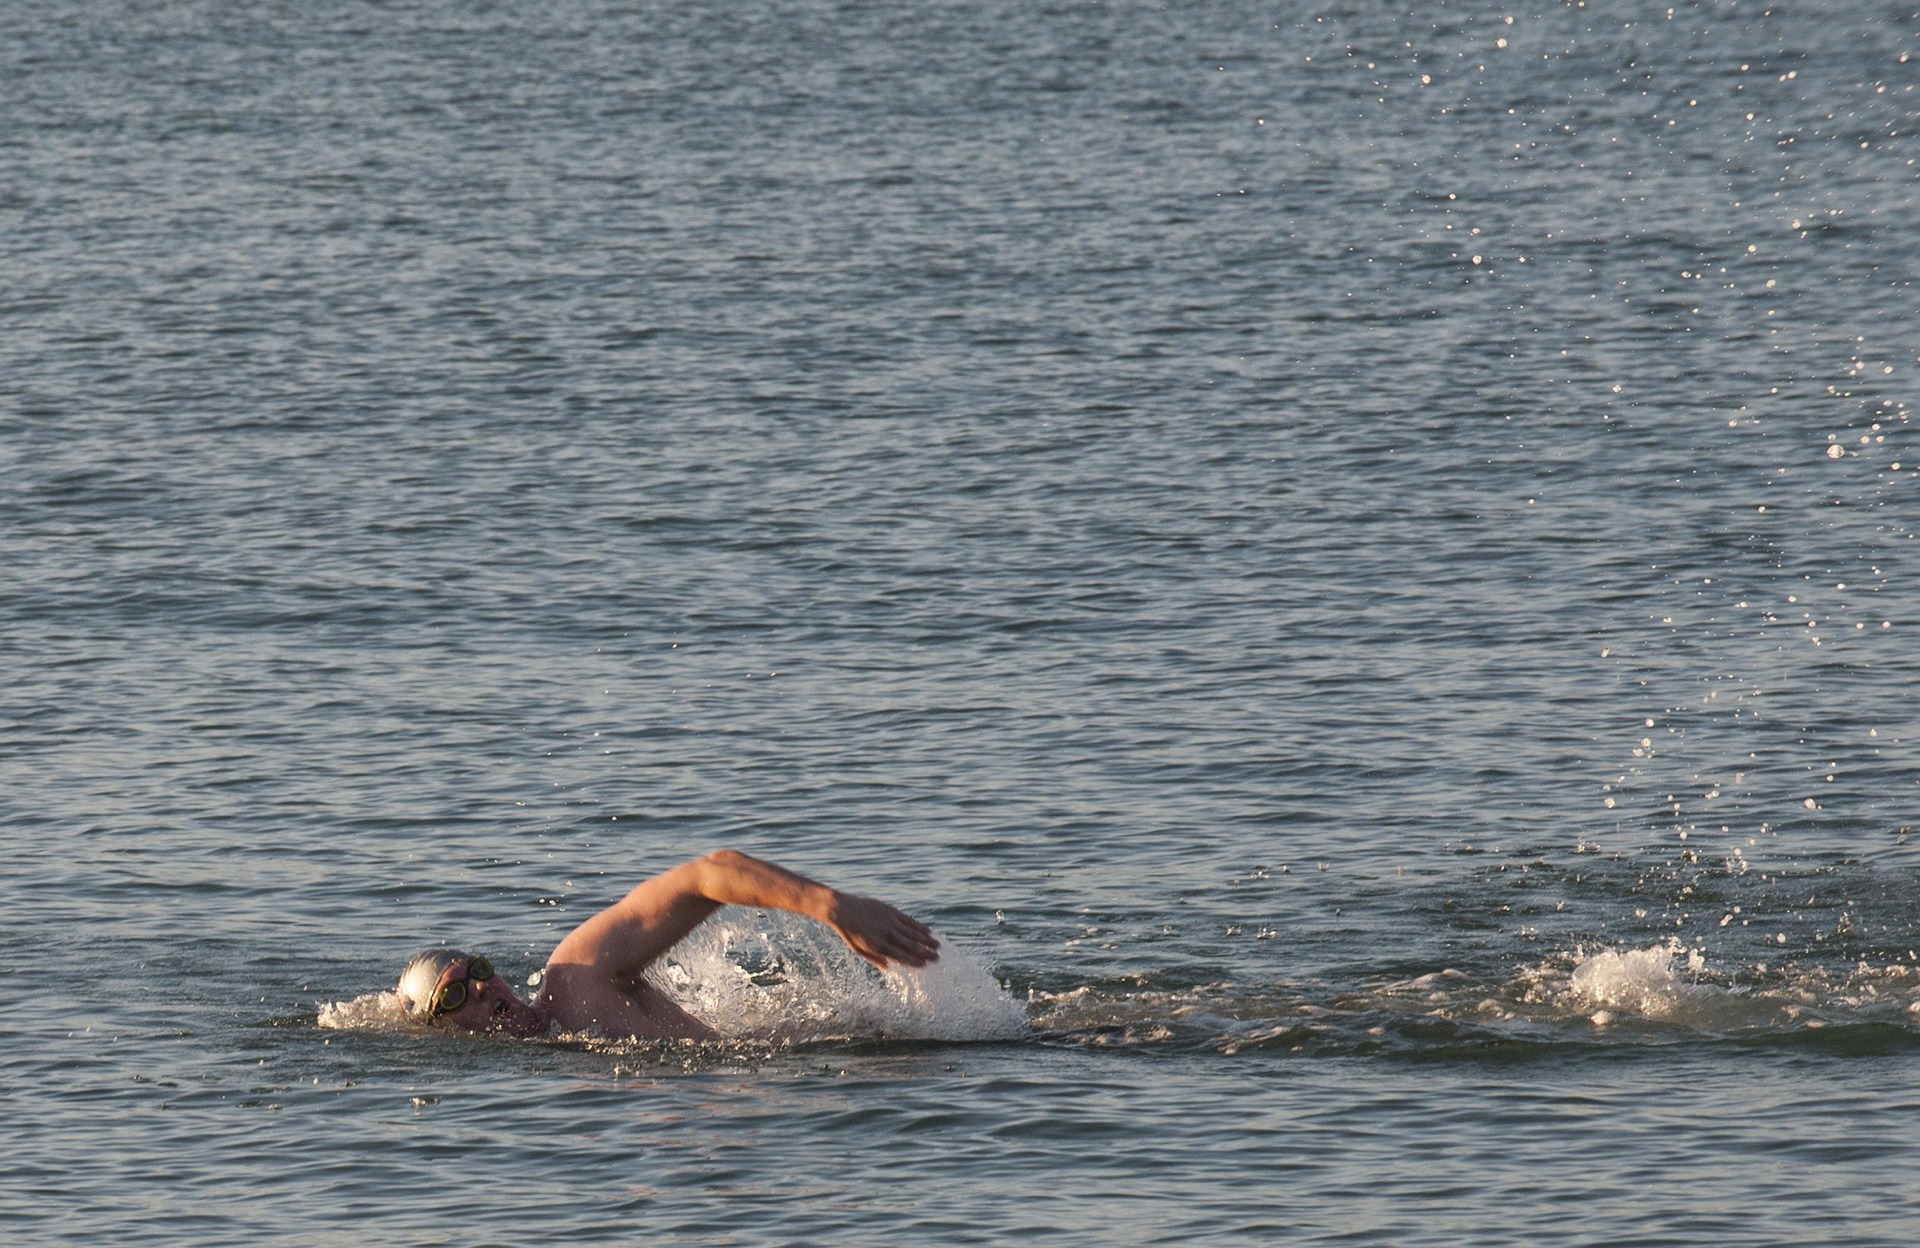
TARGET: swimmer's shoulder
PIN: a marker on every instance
(579, 999)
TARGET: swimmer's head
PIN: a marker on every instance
(421, 977)
(465, 991)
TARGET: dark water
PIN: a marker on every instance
(1364, 573)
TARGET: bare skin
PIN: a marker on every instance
(594, 983)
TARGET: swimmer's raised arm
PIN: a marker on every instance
(626, 937)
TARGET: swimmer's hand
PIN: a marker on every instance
(879, 933)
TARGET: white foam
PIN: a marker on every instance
(1649, 983)
(376, 1011)
(785, 980)
(1641, 980)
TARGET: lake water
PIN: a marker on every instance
(1356, 562)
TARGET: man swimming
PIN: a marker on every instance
(594, 979)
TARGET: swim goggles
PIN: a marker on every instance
(451, 995)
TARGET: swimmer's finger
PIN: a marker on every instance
(879, 933)
(913, 948)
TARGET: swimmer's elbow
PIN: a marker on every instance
(717, 876)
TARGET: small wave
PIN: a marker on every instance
(1583, 999)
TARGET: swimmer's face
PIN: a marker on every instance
(490, 1004)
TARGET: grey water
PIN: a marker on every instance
(1355, 561)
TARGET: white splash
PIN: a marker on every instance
(786, 980)
(1662, 983)
(1641, 980)
(376, 1011)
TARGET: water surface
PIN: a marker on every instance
(1356, 562)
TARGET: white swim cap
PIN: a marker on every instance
(422, 976)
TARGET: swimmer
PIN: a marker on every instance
(594, 979)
